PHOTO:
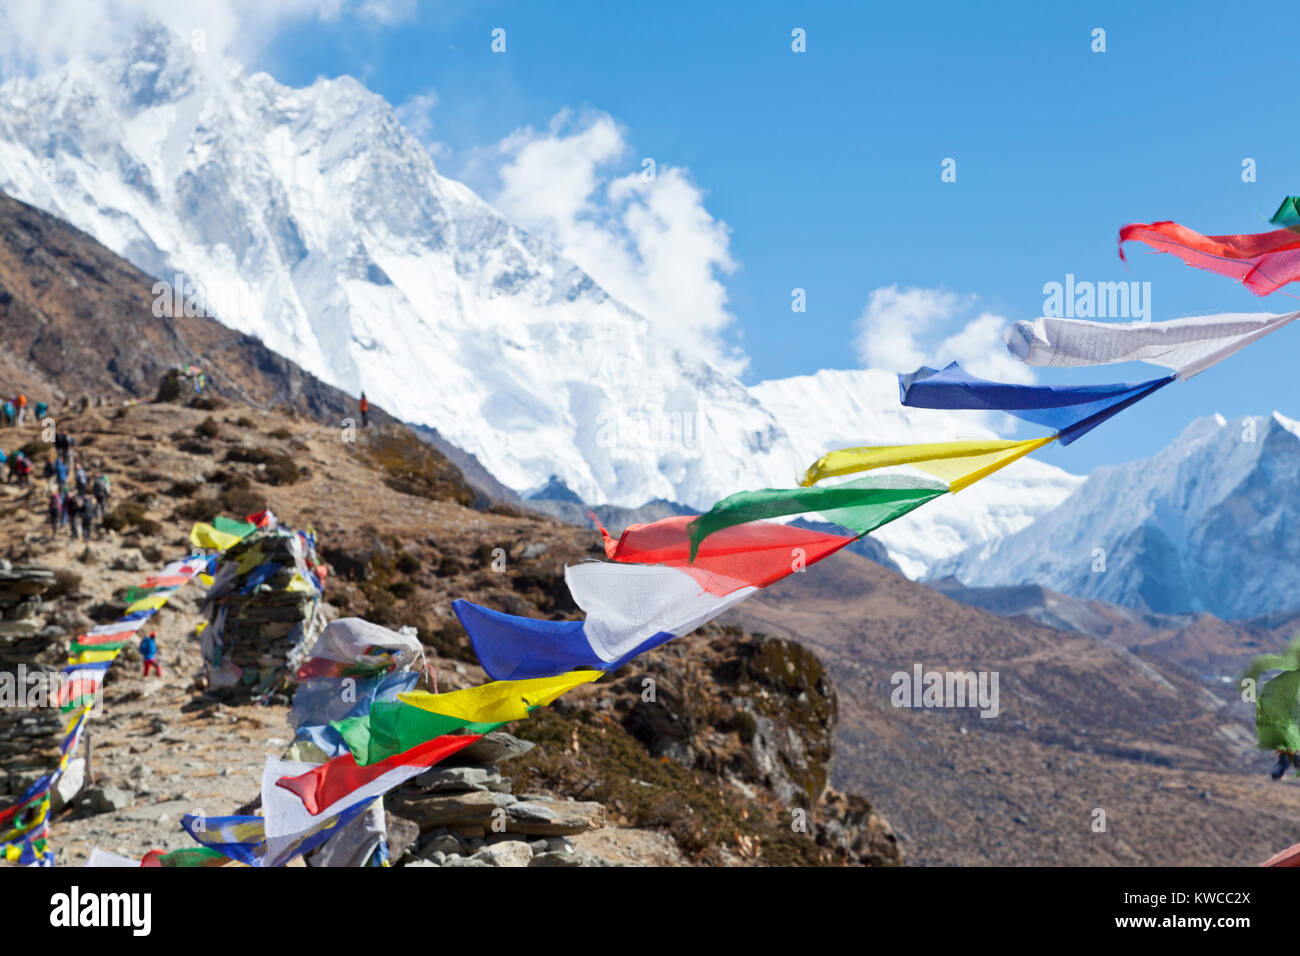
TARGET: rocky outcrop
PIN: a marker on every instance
(465, 814)
(29, 735)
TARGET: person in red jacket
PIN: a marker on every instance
(365, 410)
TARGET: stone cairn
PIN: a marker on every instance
(29, 737)
(264, 612)
(463, 813)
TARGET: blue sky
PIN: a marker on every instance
(825, 165)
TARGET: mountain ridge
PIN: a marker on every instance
(311, 218)
(1208, 525)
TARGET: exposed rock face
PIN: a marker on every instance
(756, 712)
(29, 736)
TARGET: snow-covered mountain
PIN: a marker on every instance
(312, 219)
(1211, 523)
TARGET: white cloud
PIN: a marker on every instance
(416, 115)
(903, 329)
(386, 12)
(649, 242)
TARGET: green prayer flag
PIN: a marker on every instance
(77, 648)
(1288, 214)
(241, 529)
(862, 505)
(1277, 713)
(393, 727)
(193, 856)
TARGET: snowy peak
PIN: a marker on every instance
(312, 219)
(1211, 523)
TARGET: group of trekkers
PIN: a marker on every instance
(78, 499)
(14, 411)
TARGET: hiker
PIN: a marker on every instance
(72, 505)
(24, 469)
(61, 474)
(42, 409)
(7, 413)
(87, 514)
(149, 651)
(56, 510)
(20, 403)
(83, 481)
(101, 490)
(63, 443)
(365, 410)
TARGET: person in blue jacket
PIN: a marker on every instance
(149, 651)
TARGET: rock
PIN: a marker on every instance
(438, 857)
(140, 776)
(466, 861)
(552, 858)
(852, 828)
(458, 811)
(400, 833)
(105, 799)
(419, 862)
(507, 853)
(491, 749)
(480, 811)
(457, 779)
(535, 812)
(69, 785)
(446, 843)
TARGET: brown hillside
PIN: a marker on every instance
(1084, 724)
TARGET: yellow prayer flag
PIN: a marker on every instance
(960, 463)
(150, 602)
(205, 536)
(500, 700)
(92, 657)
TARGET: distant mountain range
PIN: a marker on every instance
(1210, 524)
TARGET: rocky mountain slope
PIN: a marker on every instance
(1216, 651)
(740, 734)
(311, 219)
(1209, 524)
